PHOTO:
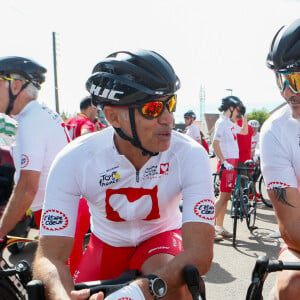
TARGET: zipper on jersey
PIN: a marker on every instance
(137, 176)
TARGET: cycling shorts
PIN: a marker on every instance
(37, 217)
(228, 177)
(283, 248)
(102, 261)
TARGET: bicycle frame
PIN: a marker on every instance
(242, 206)
(13, 279)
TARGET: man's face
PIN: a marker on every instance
(154, 134)
(4, 97)
(188, 120)
(293, 101)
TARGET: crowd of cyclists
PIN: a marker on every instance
(130, 178)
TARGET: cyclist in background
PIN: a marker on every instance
(34, 149)
(227, 151)
(255, 137)
(193, 131)
(83, 122)
(280, 154)
(133, 175)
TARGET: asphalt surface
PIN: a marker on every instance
(230, 274)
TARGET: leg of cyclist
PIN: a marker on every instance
(156, 252)
(226, 186)
(287, 284)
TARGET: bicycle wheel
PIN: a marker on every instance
(251, 207)
(236, 212)
(263, 192)
(216, 184)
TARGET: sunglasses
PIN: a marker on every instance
(6, 78)
(290, 79)
(155, 108)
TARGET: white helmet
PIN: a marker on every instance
(253, 123)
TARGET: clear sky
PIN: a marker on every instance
(215, 44)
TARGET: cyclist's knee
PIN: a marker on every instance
(288, 285)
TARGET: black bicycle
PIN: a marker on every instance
(191, 275)
(262, 268)
(243, 197)
(13, 279)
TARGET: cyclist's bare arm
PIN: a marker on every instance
(50, 266)
(20, 200)
(286, 203)
(244, 130)
(218, 151)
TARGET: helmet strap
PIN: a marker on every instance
(231, 112)
(135, 141)
(13, 97)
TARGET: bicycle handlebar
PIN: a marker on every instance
(194, 282)
(262, 267)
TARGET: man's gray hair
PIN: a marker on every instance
(31, 90)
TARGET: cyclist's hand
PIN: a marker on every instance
(227, 165)
(85, 294)
(131, 291)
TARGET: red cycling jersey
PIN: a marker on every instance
(76, 123)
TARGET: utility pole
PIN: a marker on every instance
(229, 90)
(202, 102)
(55, 71)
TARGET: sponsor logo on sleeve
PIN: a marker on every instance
(54, 220)
(205, 209)
(24, 161)
(277, 185)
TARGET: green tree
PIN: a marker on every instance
(260, 115)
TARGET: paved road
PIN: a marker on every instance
(230, 273)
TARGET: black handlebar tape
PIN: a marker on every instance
(35, 290)
(192, 279)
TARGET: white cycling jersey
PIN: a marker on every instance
(127, 206)
(226, 133)
(280, 150)
(40, 136)
(194, 132)
(254, 142)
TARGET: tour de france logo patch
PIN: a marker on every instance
(54, 220)
(205, 209)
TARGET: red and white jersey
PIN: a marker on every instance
(193, 131)
(128, 206)
(41, 135)
(280, 150)
(226, 133)
(254, 142)
(77, 123)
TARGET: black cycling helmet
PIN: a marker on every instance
(230, 101)
(191, 114)
(127, 78)
(284, 53)
(29, 69)
(130, 78)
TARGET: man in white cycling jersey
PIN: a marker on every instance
(133, 176)
(39, 137)
(191, 129)
(255, 136)
(280, 154)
